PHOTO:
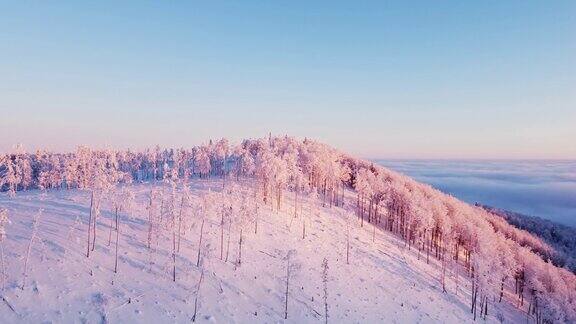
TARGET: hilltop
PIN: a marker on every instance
(213, 233)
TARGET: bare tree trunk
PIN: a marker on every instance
(501, 291)
(173, 253)
(25, 273)
(180, 223)
(240, 248)
(362, 215)
(200, 243)
(90, 224)
(443, 275)
(325, 281)
(224, 173)
(457, 271)
(347, 247)
(287, 285)
(95, 218)
(278, 198)
(427, 248)
(222, 237)
(150, 222)
(112, 225)
(3, 265)
(324, 194)
(295, 200)
(472, 299)
(342, 198)
(228, 242)
(197, 294)
(117, 238)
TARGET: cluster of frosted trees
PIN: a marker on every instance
(47, 170)
(561, 239)
(495, 255)
(500, 260)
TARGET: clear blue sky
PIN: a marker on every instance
(421, 79)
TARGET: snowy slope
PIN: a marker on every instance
(384, 281)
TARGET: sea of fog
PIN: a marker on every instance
(546, 189)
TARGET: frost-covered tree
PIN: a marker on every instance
(97, 173)
(202, 162)
(183, 214)
(8, 174)
(242, 215)
(23, 167)
(244, 164)
(123, 202)
(219, 155)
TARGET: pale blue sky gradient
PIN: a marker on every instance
(383, 79)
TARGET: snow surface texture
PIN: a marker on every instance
(383, 282)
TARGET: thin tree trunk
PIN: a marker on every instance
(111, 226)
(173, 255)
(90, 224)
(443, 275)
(180, 223)
(3, 265)
(197, 295)
(95, 219)
(26, 261)
(117, 238)
(325, 281)
(348, 248)
(222, 237)
(295, 200)
(240, 248)
(228, 242)
(457, 271)
(287, 285)
(200, 243)
(150, 221)
(501, 291)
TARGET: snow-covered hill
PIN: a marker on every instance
(409, 244)
(383, 281)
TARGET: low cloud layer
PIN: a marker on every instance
(541, 188)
